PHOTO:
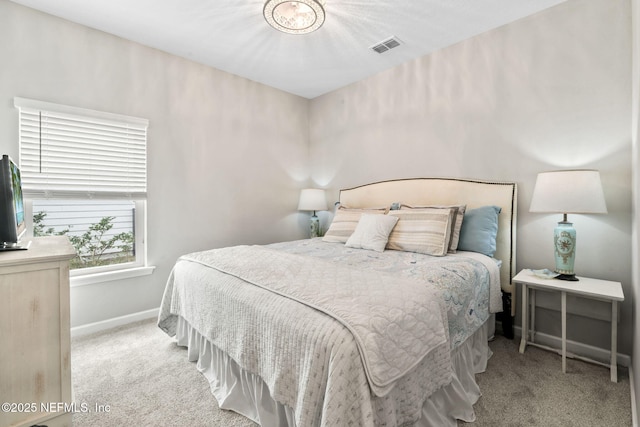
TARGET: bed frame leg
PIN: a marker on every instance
(505, 316)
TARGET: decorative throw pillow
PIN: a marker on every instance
(372, 232)
(479, 230)
(345, 222)
(422, 230)
(456, 223)
(455, 229)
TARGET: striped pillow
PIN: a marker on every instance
(422, 230)
(345, 222)
(455, 228)
(456, 222)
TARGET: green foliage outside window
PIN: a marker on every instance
(94, 247)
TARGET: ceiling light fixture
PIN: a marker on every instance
(294, 17)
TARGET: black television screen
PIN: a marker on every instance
(12, 221)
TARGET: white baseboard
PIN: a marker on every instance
(90, 328)
(580, 349)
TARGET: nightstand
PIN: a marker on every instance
(602, 290)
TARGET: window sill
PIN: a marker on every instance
(107, 276)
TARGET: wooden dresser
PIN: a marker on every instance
(35, 353)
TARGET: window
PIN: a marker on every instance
(84, 175)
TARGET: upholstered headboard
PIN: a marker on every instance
(450, 191)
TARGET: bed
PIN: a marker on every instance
(338, 330)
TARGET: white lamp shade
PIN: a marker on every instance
(568, 191)
(312, 199)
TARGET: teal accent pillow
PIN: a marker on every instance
(479, 230)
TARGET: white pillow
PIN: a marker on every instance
(372, 232)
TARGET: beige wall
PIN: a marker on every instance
(551, 91)
(226, 156)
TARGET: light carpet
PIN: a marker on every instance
(135, 375)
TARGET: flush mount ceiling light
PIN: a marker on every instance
(294, 17)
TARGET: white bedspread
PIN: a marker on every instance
(396, 322)
(309, 360)
(469, 282)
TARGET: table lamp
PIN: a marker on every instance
(565, 192)
(313, 199)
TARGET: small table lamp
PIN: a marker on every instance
(567, 191)
(313, 199)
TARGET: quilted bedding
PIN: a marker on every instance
(311, 362)
(469, 282)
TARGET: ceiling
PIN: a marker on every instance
(232, 35)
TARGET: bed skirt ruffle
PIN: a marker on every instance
(247, 394)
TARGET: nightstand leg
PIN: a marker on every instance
(532, 317)
(525, 318)
(614, 341)
(564, 332)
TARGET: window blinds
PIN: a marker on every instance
(68, 152)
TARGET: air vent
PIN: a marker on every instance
(386, 45)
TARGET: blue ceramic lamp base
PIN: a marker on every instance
(564, 239)
(314, 226)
